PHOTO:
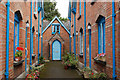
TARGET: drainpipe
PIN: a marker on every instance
(85, 33)
(7, 41)
(38, 33)
(90, 48)
(70, 36)
(75, 35)
(113, 37)
(42, 15)
(26, 51)
(42, 38)
(31, 34)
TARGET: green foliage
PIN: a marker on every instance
(18, 54)
(102, 75)
(92, 75)
(41, 60)
(49, 10)
(87, 69)
(69, 59)
(63, 19)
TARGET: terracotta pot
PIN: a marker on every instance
(20, 58)
(17, 59)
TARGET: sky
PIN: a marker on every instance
(62, 6)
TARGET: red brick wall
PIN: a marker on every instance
(48, 34)
(92, 13)
(24, 8)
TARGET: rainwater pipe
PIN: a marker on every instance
(84, 33)
(113, 37)
(31, 35)
(7, 40)
(38, 34)
(42, 15)
(70, 34)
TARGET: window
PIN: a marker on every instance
(80, 7)
(55, 28)
(101, 36)
(35, 6)
(79, 10)
(81, 41)
(16, 33)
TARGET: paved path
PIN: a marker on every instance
(55, 69)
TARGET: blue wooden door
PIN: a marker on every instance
(56, 50)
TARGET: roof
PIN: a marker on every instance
(45, 23)
(45, 28)
(66, 23)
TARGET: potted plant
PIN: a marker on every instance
(18, 55)
(69, 61)
(41, 61)
(102, 76)
(101, 57)
(73, 64)
(87, 72)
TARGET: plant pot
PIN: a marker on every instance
(20, 58)
(65, 67)
(73, 67)
(17, 59)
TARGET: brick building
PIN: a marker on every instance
(102, 18)
(15, 15)
(55, 39)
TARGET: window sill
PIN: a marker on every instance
(81, 55)
(99, 61)
(18, 63)
(79, 17)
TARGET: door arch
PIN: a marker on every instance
(56, 50)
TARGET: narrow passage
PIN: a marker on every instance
(55, 69)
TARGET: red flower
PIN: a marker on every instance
(19, 48)
(92, 73)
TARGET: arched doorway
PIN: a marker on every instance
(56, 50)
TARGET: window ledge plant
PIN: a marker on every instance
(88, 73)
(18, 55)
(101, 57)
(69, 61)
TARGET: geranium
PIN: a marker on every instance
(19, 48)
(102, 54)
(92, 73)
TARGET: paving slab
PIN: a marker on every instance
(55, 69)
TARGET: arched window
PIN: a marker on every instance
(17, 19)
(101, 33)
(81, 41)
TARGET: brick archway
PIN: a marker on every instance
(55, 37)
